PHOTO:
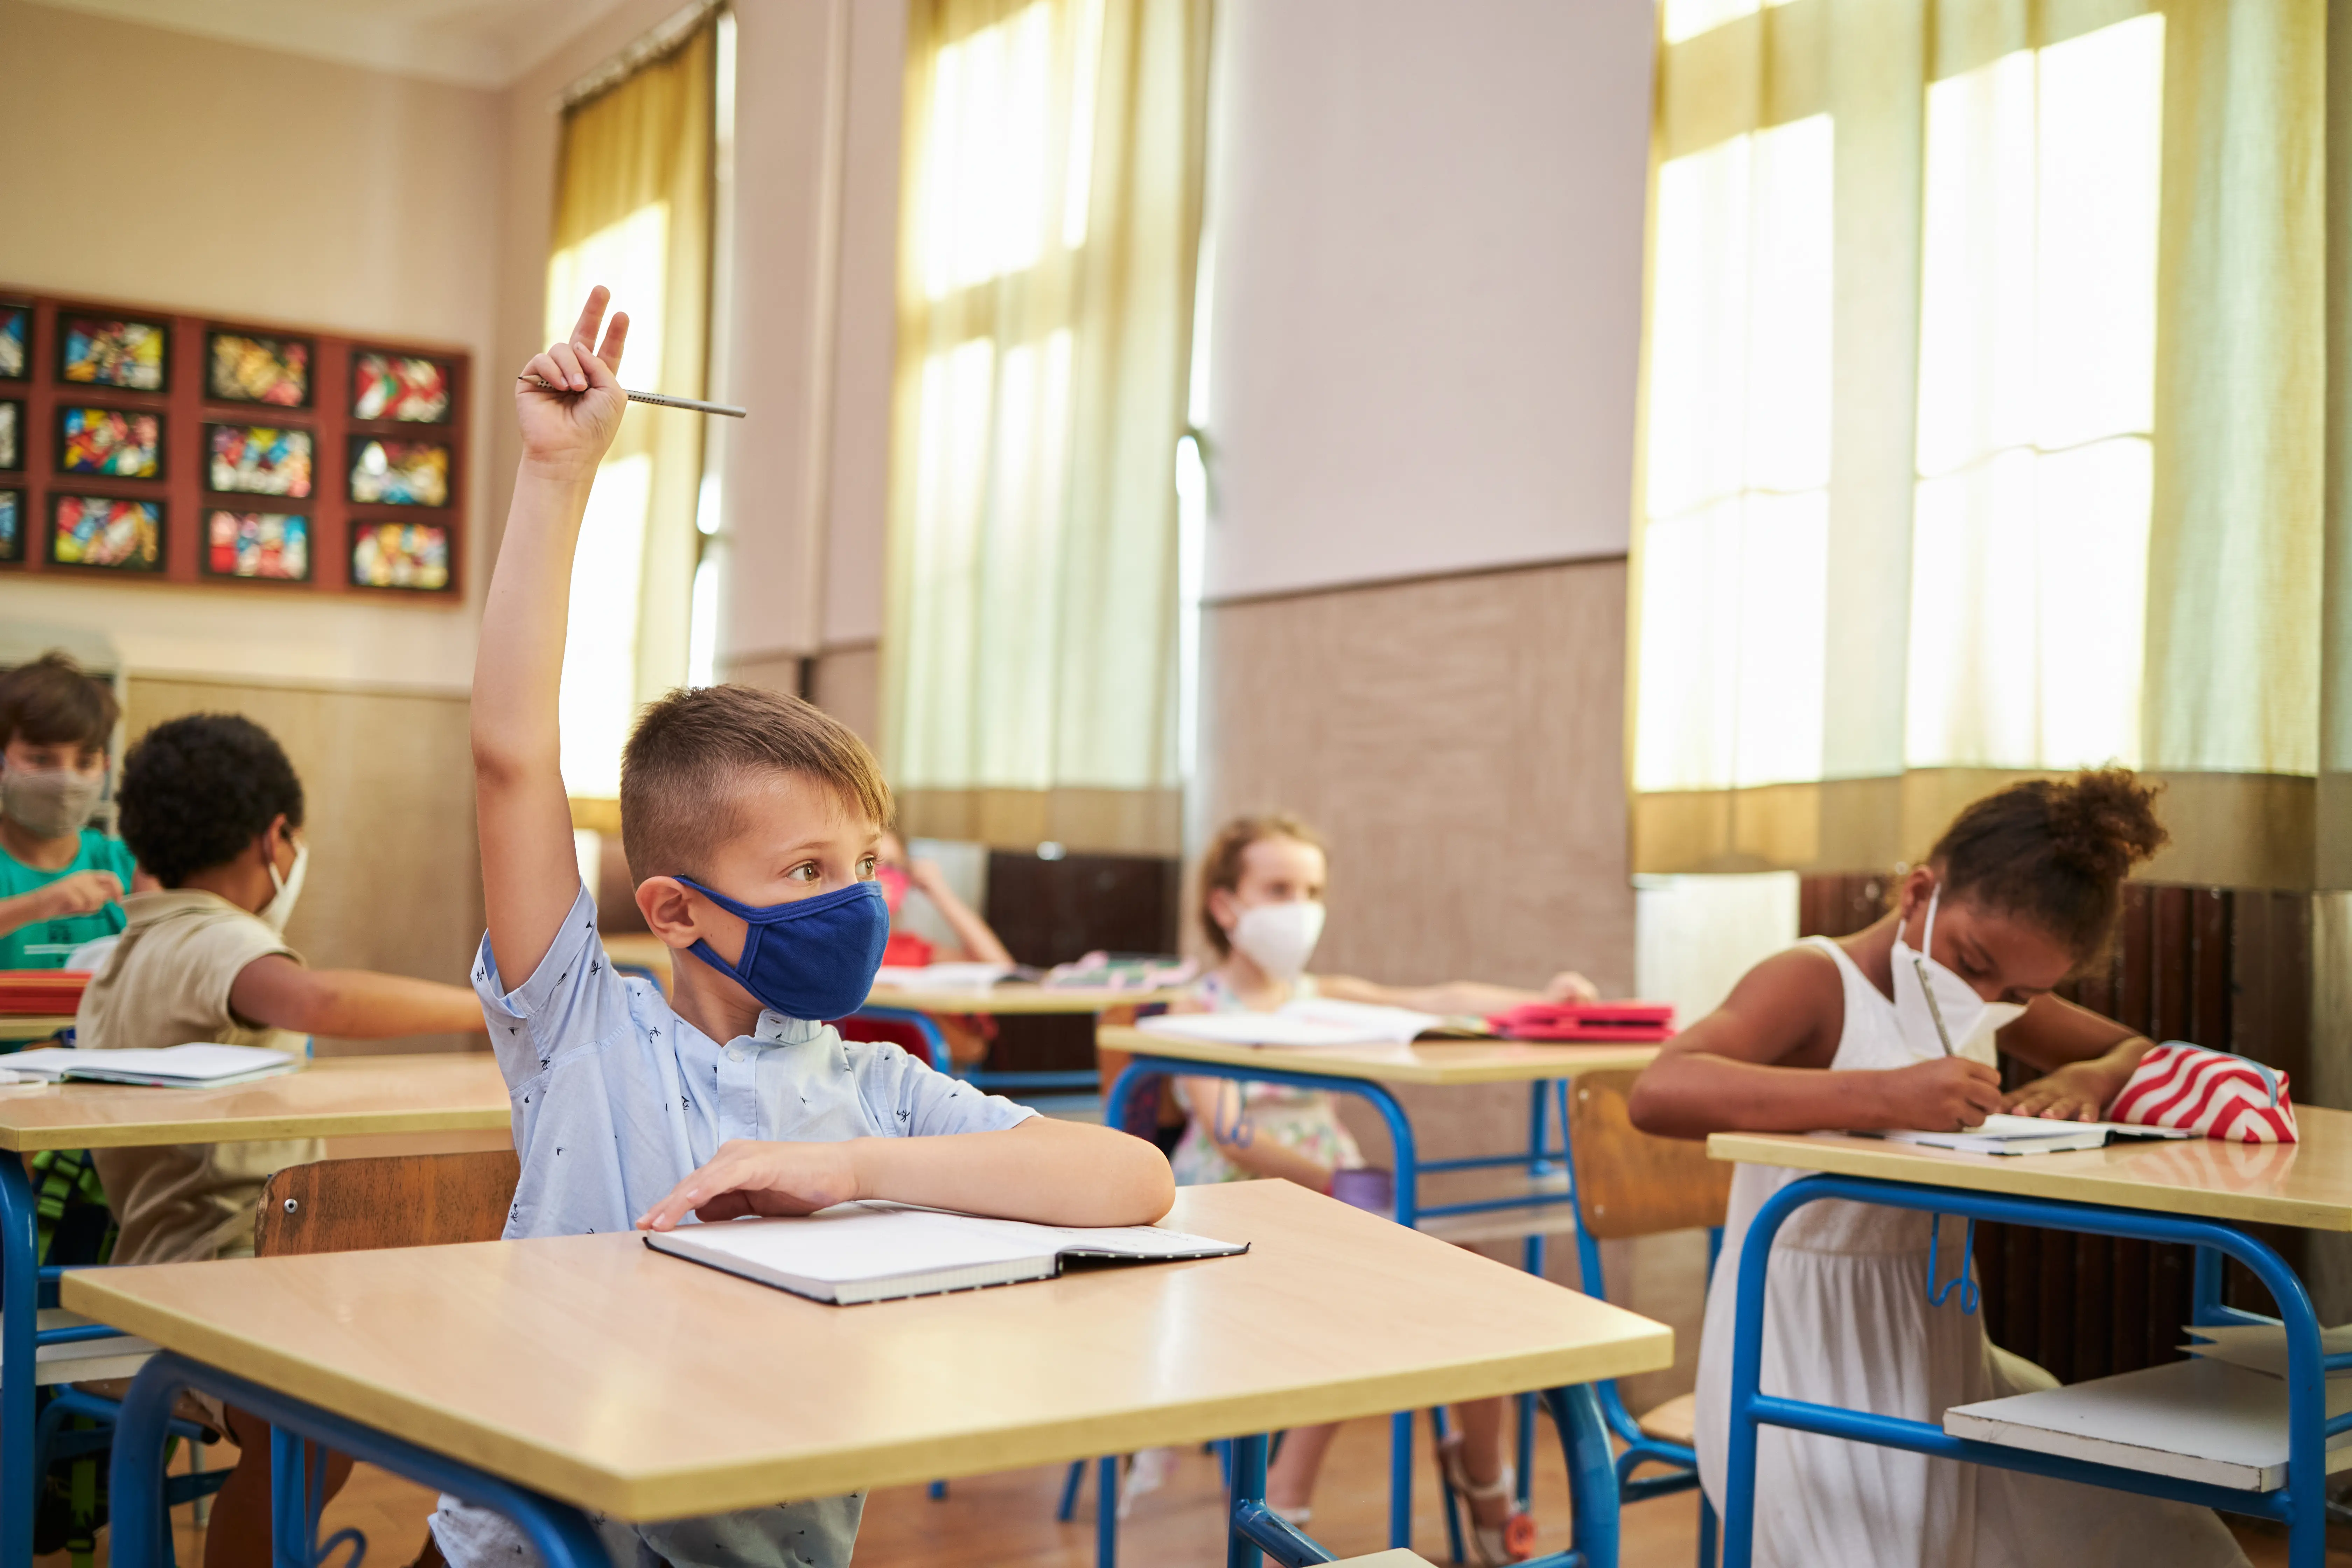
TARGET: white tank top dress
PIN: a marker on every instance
(1847, 1323)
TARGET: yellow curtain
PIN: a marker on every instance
(1053, 156)
(1983, 424)
(633, 212)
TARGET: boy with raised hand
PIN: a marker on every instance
(752, 823)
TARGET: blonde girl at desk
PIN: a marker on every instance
(1262, 883)
(2021, 890)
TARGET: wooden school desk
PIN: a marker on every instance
(1524, 1197)
(331, 1097)
(2199, 1193)
(541, 1377)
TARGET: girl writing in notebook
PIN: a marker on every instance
(1895, 1028)
(1262, 883)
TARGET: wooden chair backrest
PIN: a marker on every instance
(403, 1200)
(1629, 1183)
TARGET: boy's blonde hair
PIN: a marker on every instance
(683, 770)
(1221, 863)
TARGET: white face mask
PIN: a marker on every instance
(1970, 1020)
(1280, 938)
(280, 907)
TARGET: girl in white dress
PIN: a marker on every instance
(2021, 890)
(1262, 883)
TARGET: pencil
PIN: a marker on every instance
(659, 399)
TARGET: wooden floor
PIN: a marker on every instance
(1007, 1521)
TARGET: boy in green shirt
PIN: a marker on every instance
(61, 883)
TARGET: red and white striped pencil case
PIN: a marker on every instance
(2212, 1092)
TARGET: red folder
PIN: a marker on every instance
(40, 993)
(1586, 1022)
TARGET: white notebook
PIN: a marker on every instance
(2032, 1135)
(855, 1253)
(1311, 1021)
(171, 1067)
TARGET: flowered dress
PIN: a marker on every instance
(1306, 1120)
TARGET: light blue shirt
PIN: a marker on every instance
(617, 1099)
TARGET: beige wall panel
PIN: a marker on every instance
(395, 881)
(1459, 741)
(849, 686)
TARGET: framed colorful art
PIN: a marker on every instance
(11, 526)
(106, 534)
(15, 342)
(258, 367)
(409, 556)
(12, 433)
(258, 461)
(101, 349)
(258, 546)
(385, 472)
(411, 388)
(110, 443)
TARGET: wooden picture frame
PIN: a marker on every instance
(112, 349)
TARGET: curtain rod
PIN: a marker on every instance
(666, 39)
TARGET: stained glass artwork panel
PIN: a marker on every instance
(399, 386)
(109, 351)
(399, 473)
(12, 433)
(247, 367)
(104, 531)
(260, 461)
(12, 525)
(15, 341)
(414, 556)
(118, 443)
(267, 546)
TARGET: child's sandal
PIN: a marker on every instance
(1491, 1546)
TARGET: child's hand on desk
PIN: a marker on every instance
(2076, 1092)
(1950, 1093)
(1568, 988)
(751, 1176)
(567, 425)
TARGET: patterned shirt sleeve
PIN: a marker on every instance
(906, 1097)
(572, 1000)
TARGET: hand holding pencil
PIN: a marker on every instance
(568, 399)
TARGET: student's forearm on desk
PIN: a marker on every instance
(1689, 1094)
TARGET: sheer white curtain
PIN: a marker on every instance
(1924, 452)
(1053, 184)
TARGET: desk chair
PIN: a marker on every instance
(1629, 1183)
(356, 1206)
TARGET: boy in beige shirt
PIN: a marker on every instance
(212, 809)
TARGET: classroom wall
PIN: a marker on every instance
(218, 177)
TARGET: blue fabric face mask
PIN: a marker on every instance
(814, 958)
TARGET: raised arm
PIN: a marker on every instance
(979, 942)
(529, 875)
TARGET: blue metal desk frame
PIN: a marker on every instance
(1540, 1159)
(561, 1532)
(2301, 1505)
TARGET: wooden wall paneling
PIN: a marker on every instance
(395, 881)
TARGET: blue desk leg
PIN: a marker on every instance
(2301, 1504)
(20, 1298)
(1592, 1494)
(1107, 1511)
(141, 1534)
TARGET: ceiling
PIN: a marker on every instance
(473, 42)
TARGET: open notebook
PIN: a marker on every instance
(855, 1253)
(2031, 1135)
(171, 1067)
